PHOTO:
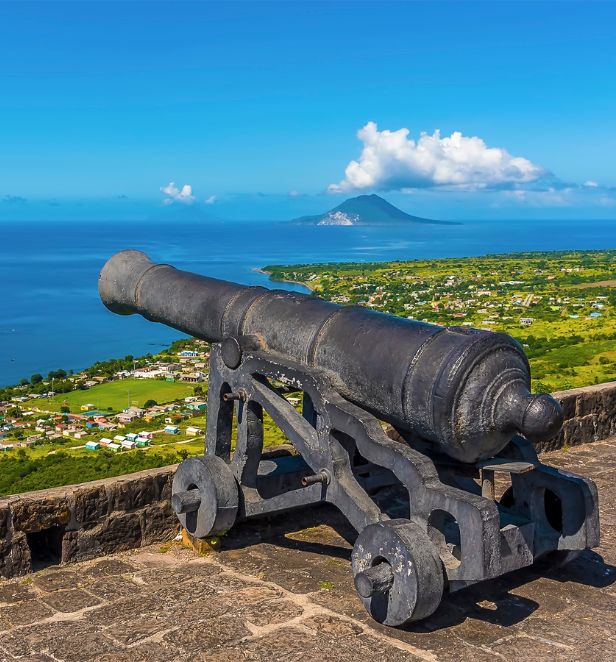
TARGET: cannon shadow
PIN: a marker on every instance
(324, 531)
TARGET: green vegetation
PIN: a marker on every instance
(65, 460)
(561, 306)
(22, 472)
(116, 395)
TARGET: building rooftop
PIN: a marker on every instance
(284, 590)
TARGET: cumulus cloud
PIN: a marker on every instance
(589, 183)
(391, 160)
(174, 194)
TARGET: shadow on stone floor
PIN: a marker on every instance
(494, 602)
(324, 531)
(282, 530)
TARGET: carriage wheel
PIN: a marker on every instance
(205, 496)
(398, 573)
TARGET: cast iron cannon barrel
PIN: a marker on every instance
(465, 390)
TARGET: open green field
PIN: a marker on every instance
(116, 396)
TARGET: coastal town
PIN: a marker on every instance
(115, 417)
(89, 416)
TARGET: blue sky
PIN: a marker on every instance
(256, 108)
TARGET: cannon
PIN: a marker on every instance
(422, 495)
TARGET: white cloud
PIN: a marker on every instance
(211, 200)
(390, 160)
(550, 197)
(583, 196)
(174, 194)
(589, 183)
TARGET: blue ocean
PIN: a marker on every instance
(52, 317)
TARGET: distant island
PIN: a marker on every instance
(366, 210)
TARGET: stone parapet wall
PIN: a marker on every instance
(84, 521)
(590, 415)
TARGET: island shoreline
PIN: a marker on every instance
(259, 270)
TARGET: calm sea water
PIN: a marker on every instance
(51, 316)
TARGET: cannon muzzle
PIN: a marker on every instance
(465, 390)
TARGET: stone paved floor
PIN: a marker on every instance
(281, 594)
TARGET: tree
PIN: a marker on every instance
(36, 378)
(23, 382)
(57, 374)
(150, 403)
(65, 410)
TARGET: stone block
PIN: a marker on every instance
(158, 523)
(164, 484)
(587, 429)
(69, 546)
(5, 520)
(609, 401)
(568, 403)
(71, 600)
(570, 432)
(90, 504)
(15, 556)
(31, 514)
(588, 402)
(131, 493)
(119, 532)
(603, 424)
(56, 579)
(552, 444)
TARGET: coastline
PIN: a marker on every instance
(258, 270)
(40, 334)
